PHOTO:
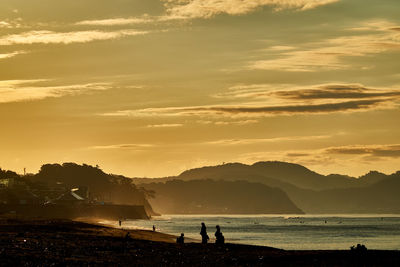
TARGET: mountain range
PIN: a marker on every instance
(311, 192)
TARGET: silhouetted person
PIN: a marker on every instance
(154, 228)
(219, 238)
(181, 239)
(128, 236)
(203, 233)
(120, 223)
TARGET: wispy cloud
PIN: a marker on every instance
(252, 141)
(117, 21)
(208, 8)
(238, 122)
(177, 10)
(122, 147)
(10, 24)
(271, 100)
(50, 37)
(256, 111)
(5, 24)
(171, 125)
(12, 54)
(330, 54)
(320, 92)
(339, 91)
(28, 90)
(390, 151)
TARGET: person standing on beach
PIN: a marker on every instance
(181, 239)
(203, 233)
(219, 237)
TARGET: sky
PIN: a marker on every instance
(152, 88)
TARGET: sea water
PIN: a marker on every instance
(290, 232)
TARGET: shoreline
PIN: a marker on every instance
(77, 243)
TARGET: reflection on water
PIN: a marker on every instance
(286, 231)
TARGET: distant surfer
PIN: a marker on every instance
(203, 233)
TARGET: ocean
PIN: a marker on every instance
(290, 232)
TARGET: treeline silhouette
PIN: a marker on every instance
(101, 186)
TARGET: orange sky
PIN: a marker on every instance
(152, 88)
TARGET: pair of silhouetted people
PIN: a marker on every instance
(219, 237)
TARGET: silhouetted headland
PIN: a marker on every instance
(71, 191)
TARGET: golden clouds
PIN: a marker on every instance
(116, 21)
(165, 125)
(50, 37)
(12, 54)
(331, 54)
(209, 8)
(256, 141)
(320, 99)
(28, 90)
(382, 151)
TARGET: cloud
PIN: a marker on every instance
(254, 111)
(172, 125)
(230, 142)
(10, 24)
(116, 21)
(191, 9)
(330, 54)
(240, 122)
(234, 122)
(338, 91)
(12, 54)
(385, 151)
(5, 24)
(29, 90)
(323, 93)
(272, 100)
(138, 147)
(50, 37)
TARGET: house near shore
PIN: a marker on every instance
(73, 196)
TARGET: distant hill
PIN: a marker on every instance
(372, 177)
(219, 197)
(380, 197)
(285, 172)
(310, 191)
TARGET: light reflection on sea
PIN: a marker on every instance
(304, 232)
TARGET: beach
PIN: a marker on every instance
(78, 243)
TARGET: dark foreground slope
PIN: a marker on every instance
(219, 197)
(65, 243)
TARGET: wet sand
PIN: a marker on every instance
(76, 243)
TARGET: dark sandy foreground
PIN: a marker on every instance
(67, 243)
